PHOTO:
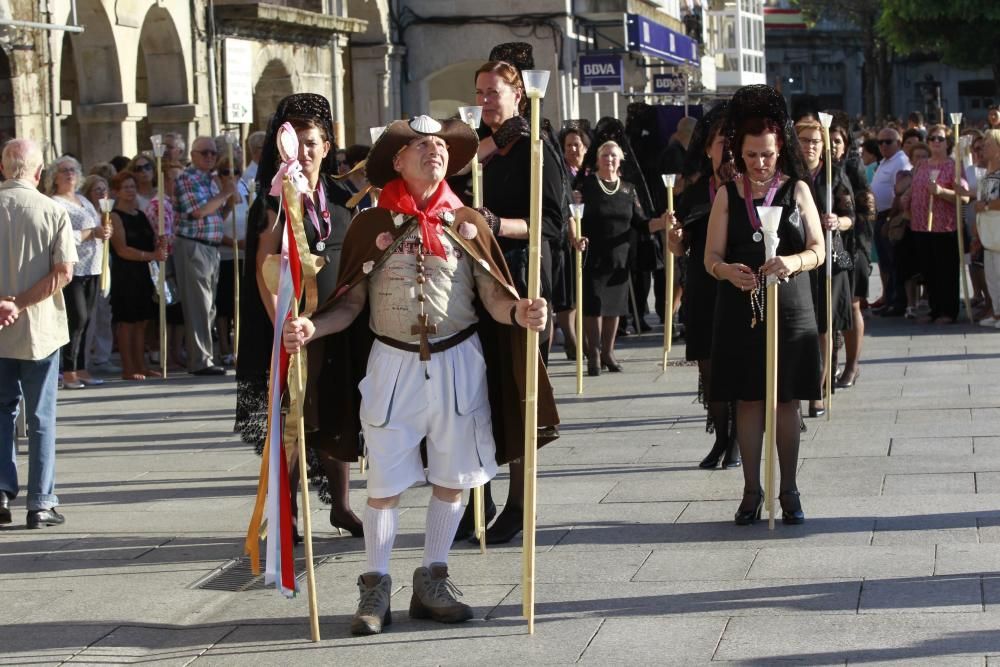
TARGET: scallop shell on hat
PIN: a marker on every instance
(425, 125)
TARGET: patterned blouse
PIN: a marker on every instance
(920, 197)
(84, 216)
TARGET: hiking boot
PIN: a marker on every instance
(434, 596)
(373, 609)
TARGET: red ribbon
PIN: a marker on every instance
(396, 198)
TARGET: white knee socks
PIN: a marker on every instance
(442, 522)
(380, 533)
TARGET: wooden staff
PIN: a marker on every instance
(473, 115)
(577, 210)
(771, 396)
(934, 173)
(535, 82)
(106, 205)
(770, 217)
(956, 119)
(161, 280)
(230, 140)
(297, 385)
(825, 120)
(668, 268)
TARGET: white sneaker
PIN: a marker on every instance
(989, 322)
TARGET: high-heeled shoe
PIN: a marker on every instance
(712, 460)
(745, 517)
(816, 411)
(593, 369)
(351, 524)
(507, 526)
(732, 458)
(467, 526)
(791, 508)
(611, 365)
(570, 351)
(846, 383)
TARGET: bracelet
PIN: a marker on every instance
(513, 319)
(815, 254)
(712, 270)
(492, 220)
(801, 263)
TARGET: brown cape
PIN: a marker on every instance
(338, 399)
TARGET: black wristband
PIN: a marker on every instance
(513, 319)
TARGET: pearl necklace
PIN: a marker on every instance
(609, 191)
(763, 184)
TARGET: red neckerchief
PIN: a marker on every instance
(396, 198)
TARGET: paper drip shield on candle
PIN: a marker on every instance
(576, 210)
(770, 219)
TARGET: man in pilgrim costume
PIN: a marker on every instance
(424, 275)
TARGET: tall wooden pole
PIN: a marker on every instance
(107, 204)
(230, 140)
(473, 115)
(825, 120)
(770, 217)
(668, 278)
(577, 210)
(161, 283)
(956, 119)
(771, 396)
(535, 84)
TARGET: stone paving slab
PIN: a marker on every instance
(638, 560)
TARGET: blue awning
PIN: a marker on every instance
(655, 39)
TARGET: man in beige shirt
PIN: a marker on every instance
(37, 253)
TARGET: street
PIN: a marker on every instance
(639, 560)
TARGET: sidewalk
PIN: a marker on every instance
(639, 560)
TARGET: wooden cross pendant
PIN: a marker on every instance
(423, 328)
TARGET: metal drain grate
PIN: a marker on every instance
(236, 576)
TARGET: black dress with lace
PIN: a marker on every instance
(257, 331)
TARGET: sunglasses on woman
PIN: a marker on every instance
(936, 138)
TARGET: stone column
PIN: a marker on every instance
(107, 130)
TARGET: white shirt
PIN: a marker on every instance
(83, 216)
(884, 183)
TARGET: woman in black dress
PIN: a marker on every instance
(611, 210)
(133, 246)
(766, 152)
(707, 168)
(841, 223)
(325, 219)
(864, 219)
(506, 158)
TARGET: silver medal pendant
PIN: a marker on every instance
(758, 237)
(320, 246)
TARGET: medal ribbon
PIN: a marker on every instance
(748, 199)
(311, 209)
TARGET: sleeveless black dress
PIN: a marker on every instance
(738, 354)
(131, 284)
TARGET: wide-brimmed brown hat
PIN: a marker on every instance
(461, 140)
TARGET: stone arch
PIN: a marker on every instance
(90, 87)
(376, 12)
(8, 129)
(273, 84)
(160, 58)
(451, 87)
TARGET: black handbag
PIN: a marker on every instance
(842, 259)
